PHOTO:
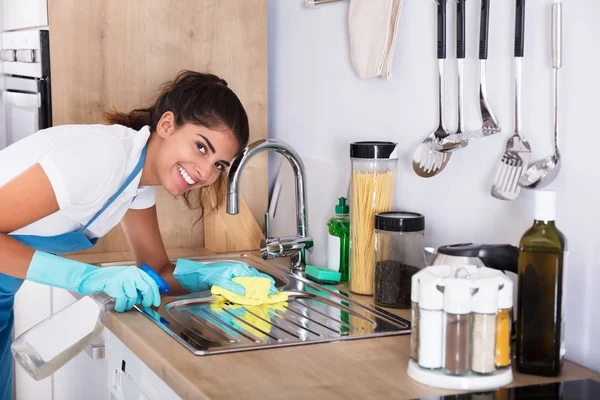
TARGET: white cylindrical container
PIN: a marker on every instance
(415, 317)
(431, 303)
(457, 315)
(483, 333)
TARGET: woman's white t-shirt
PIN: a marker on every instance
(86, 165)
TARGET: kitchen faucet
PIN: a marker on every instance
(292, 247)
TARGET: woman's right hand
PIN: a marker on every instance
(128, 285)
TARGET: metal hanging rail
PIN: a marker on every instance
(313, 3)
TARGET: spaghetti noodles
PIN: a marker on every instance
(372, 192)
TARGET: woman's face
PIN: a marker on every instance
(192, 156)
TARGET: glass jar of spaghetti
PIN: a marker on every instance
(374, 166)
(399, 243)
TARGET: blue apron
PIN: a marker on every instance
(59, 244)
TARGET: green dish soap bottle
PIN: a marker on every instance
(338, 239)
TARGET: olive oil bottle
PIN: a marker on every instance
(540, 324)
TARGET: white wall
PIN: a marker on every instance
(318, 106)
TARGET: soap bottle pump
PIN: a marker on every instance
(338, 239)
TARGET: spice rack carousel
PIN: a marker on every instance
(461, 327)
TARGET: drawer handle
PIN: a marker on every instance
(24, 100)
(8, 55)
(26, 56)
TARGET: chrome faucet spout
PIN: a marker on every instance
(233, 201)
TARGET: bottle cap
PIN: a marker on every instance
(545, 205)
(400, 221)
(163, 286)
(342, 207)
(430, 297)
(505, 296)
(373, 150)
(485, 299)
(457, 296)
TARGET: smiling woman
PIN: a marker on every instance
(194, 110)
(64, 187)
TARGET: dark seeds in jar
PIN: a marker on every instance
(393, 283)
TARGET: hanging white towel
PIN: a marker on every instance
(373, 27)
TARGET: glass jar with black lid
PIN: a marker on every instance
(399, 243)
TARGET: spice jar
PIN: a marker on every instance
(431, 303)
(483, 333)
(457, 316)
(504, 323)
(373, 177)
(399, 243)
(415, 317)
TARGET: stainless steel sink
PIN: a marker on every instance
(312, 314)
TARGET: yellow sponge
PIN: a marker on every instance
(257, 291)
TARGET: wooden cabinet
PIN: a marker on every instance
(114, 54)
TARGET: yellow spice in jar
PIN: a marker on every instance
(503, 322)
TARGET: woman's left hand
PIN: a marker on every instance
(196, 276)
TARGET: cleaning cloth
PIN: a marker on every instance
(373, 26)
(257, 291)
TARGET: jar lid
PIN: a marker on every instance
(485, 299)
(373, 150)
(430, 297)
(457, 296)
(414, 286)
(400, 221)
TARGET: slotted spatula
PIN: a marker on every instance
(516, 156)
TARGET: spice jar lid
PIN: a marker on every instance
(373, 150)
(430, 297)
(485, 299)
(505, 296)
(414, 286)
(400, 221)
(457, 296)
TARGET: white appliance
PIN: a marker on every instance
(25, 57)
(130, 379)
(22, 14)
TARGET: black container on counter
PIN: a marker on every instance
(399, 243)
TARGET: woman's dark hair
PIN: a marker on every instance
(201, 99)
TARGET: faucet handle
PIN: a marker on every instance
(285, 246)
(292, 247)
(266, 252)
(272, 247)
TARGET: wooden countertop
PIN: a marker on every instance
(365, 368)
